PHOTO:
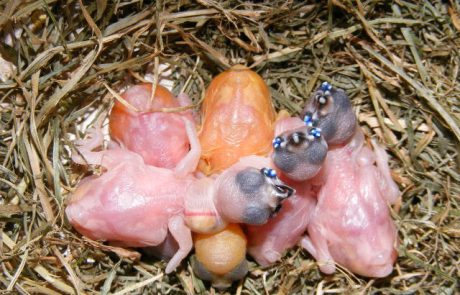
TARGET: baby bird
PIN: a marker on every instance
(238, 120)
(140, 125)
(351, 223)
(298, 152)
(136, 204)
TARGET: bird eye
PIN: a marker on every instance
(316, 132)
(277, 142)
(322, 100)
(324, 93)
(269, 172)
(308, 119)
(325, 86)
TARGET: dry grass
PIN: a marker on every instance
(398, 60)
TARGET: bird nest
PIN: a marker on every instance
(63, 60)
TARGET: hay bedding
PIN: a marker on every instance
(399, 62)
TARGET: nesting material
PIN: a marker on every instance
(399, 63)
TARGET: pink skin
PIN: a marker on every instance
(136, 204)
(351, 224)
(287, 124)
(268, 242)
(159, 137)
(99, 208)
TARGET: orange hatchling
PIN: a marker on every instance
(237, 120)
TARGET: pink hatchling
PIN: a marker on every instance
(351, 224)
(136, 205)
